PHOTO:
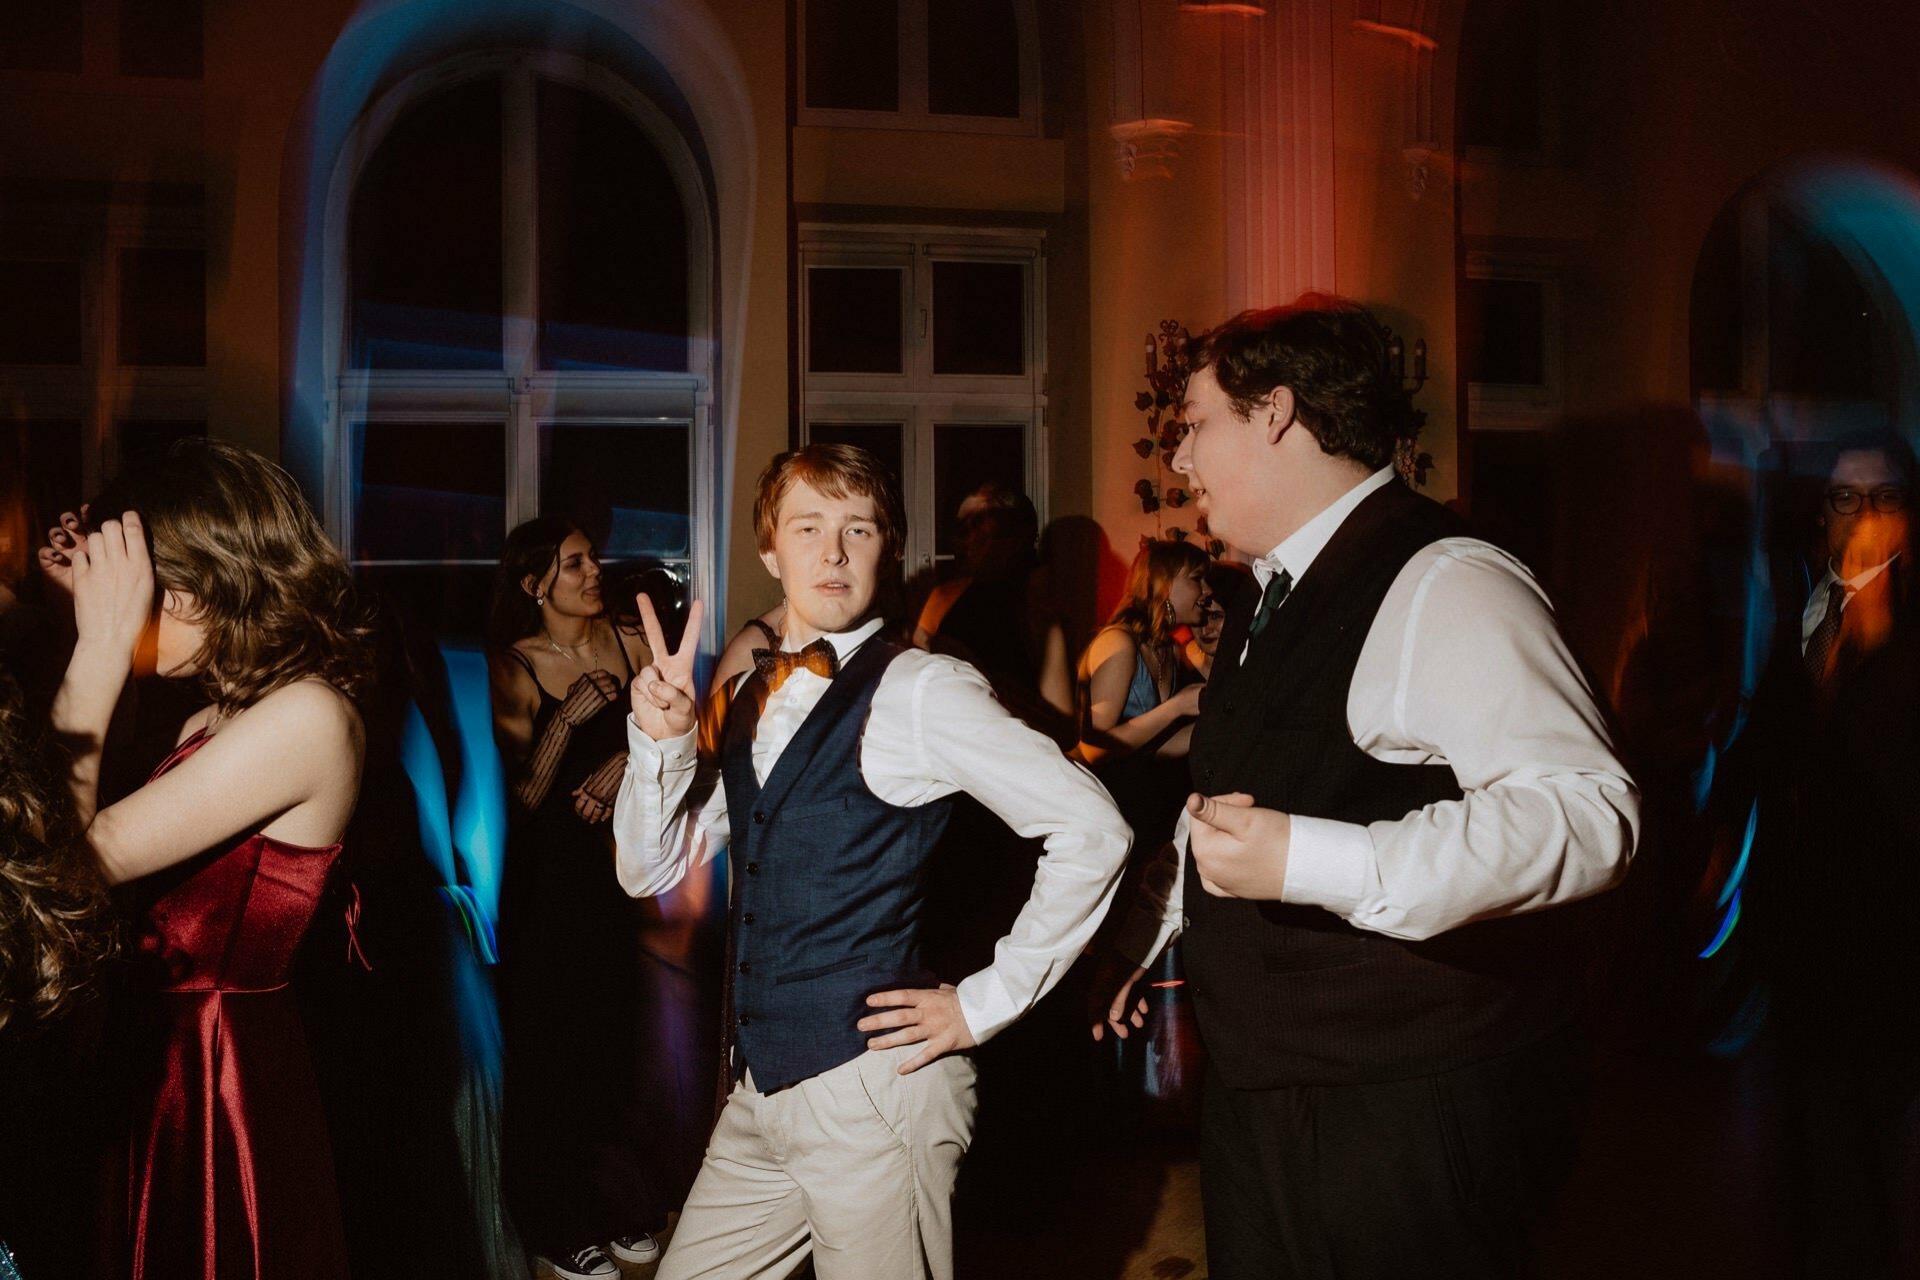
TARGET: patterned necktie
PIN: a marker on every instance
(1820, 643)
(817, 657)
(1277, 587)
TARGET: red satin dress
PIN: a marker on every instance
(231, 1175)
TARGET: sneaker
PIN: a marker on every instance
(636, 1248)
(590, 1263)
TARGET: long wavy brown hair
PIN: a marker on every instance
(1142, 610)
(54, 927)
(275, 597)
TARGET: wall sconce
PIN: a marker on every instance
(1397, 363)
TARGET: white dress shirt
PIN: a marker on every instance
(1816, 608)
(1463, 666)
(935, 728)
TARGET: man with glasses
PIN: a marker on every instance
(1836, 867)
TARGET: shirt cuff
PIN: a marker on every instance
(659, 757)
(985, 1005)
(1144, 934)
(1328, 864)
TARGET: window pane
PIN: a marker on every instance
(613, 241)
(163, 307)
(973, 58)
(41, 35)
(967, 455)
(40, 313)
(853, 54)
(160, 38)
(1824, 329)
(979, 317)
(425, 238)
(881, 439)
(430, 491)
(1504, 338)
(629, 485)
(39, 478)
(853, 319)
(143, 441)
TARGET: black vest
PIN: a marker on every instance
(827, 882)
(1293, 994)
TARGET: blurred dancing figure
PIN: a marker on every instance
(996, 614)
(591, 1108)
(211, 567)
(1836, 863)
(854, 1098)
(1396, 758)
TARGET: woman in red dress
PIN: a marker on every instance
(214, 568)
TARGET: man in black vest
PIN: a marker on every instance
(1398, 768)
(840, 753)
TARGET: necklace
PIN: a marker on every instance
(571, 650)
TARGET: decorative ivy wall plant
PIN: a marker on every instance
(1166, 392)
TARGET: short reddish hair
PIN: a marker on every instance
(838, 471)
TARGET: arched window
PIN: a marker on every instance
(522, 325)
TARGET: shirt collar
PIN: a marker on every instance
(846, 642)
(1303, 546)
(1857, 582)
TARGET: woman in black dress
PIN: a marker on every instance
(590, 1090)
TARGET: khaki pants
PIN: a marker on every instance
(855, 1166)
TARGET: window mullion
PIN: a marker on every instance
(520, 259)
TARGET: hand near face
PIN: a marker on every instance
(1240, 850)
(663, 694)
(112, 581)
(56, 558)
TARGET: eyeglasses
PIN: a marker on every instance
(1886, 501)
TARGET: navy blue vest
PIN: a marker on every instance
(1288, 994)
(828, 881)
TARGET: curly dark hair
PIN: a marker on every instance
(1332, 354)
(54, 929)
(232, 529)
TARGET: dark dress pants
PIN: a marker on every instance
(1439, 1176)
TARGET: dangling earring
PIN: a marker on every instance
(538, 599)
(1166, 607)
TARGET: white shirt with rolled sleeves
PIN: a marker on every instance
(1463, 666)
(934, 729)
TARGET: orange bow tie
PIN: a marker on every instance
(774, 668)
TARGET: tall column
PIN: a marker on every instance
(1278, 111)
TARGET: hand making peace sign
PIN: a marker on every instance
(663, 697)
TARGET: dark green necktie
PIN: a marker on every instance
(1277, 587)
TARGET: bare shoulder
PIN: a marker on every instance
(1111, 643)
(319, 714)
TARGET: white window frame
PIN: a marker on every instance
(521, 395)
(1509, 406)
(913, 112)
(917, 397)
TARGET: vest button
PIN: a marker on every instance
(747, 918)
(759, 817)
(753, 868)
(742, 1020)
(1206, 773)
(746, 966)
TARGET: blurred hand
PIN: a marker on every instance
(663, 698)
(56, 558)
(587, 695)
(1114, 979)
(1187, 700)
(1240, 850)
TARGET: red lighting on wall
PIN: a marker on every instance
(1251, 10)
